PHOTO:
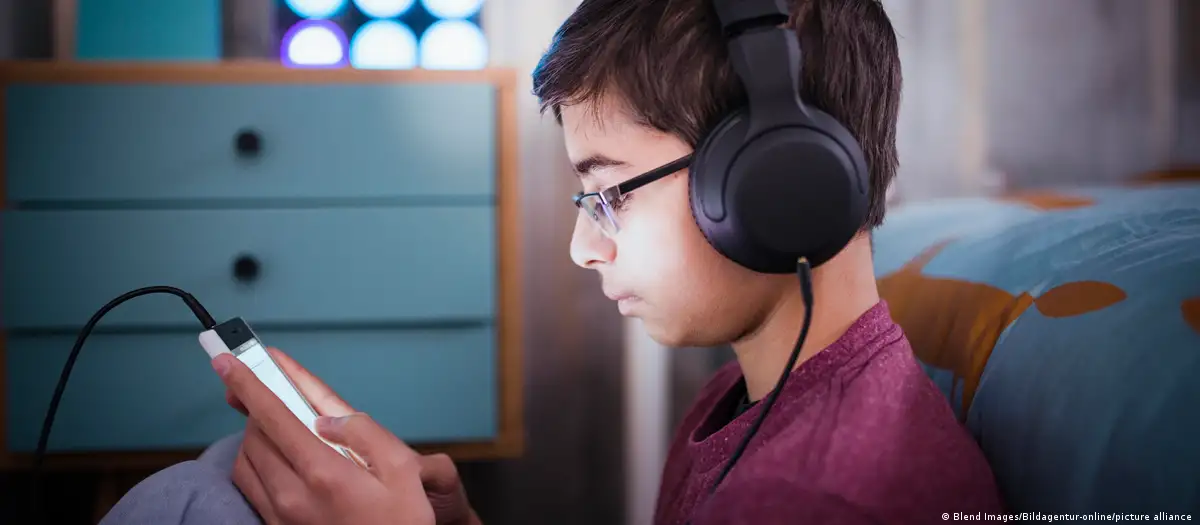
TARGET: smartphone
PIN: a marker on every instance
(235, 337)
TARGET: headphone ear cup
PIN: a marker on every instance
(798, 190)
(859, 176)
(708, 182)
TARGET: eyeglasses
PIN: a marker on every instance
(600, 205)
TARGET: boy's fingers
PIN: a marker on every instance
(234, 402)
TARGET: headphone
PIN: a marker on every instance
(776, 180)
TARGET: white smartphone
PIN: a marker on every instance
(235, 337)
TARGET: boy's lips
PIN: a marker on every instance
(625, 300)
(619, 296)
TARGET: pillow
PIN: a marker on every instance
(1064, 328)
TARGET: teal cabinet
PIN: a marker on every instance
(154, 391)
(339, 265)
(364, 222)
(255, 144)
(174, 30)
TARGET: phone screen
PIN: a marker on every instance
(255, 356)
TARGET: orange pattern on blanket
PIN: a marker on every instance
(1178, 173)
(1191, 313)
(1078, 298)
(954, 325)
(1048, 200)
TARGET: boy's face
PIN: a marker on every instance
(658, 266)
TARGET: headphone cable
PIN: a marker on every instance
(44, 439)
(804, 273)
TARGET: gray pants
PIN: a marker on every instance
(197, 492)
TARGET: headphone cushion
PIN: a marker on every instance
(706, 188)
(789, 192)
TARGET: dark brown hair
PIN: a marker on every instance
(666, 62)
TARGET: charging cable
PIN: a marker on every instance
(44, 439)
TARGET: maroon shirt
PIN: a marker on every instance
(858, 435)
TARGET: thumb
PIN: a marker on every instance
(385, 454)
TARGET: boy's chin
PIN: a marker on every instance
(669, 336)
(688, 336)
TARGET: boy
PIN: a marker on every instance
(857, 435)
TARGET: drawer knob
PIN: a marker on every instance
(248, 143)
(246, 268)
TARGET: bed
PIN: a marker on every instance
(1063, 325)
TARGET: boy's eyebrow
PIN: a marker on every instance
(585, 167)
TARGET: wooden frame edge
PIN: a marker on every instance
(157, 459)
(250, 71)
(510, 337)
(510, 437)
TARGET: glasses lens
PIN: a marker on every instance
(598, 212)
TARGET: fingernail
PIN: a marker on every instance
(221, 365)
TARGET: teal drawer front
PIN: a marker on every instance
(148, 29)
(148, 392)
(162, 142)
(316, 266)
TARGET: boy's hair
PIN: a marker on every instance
(666, 62)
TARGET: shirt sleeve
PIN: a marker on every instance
(773, 500)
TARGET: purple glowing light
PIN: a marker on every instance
(314, 44)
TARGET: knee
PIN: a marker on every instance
(186, 493)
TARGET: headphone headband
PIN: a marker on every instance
(766, 56)
(733, 13)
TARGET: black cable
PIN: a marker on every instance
(804, 272)
(44, 439)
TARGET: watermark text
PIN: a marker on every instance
(1041, 516)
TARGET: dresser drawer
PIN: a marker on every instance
(158, 392)
(172, 142)
(316, 267)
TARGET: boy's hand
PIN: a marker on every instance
(438, 474)
(291, 476)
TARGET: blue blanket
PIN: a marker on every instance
(1064, 327)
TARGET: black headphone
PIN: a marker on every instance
(776, 180)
